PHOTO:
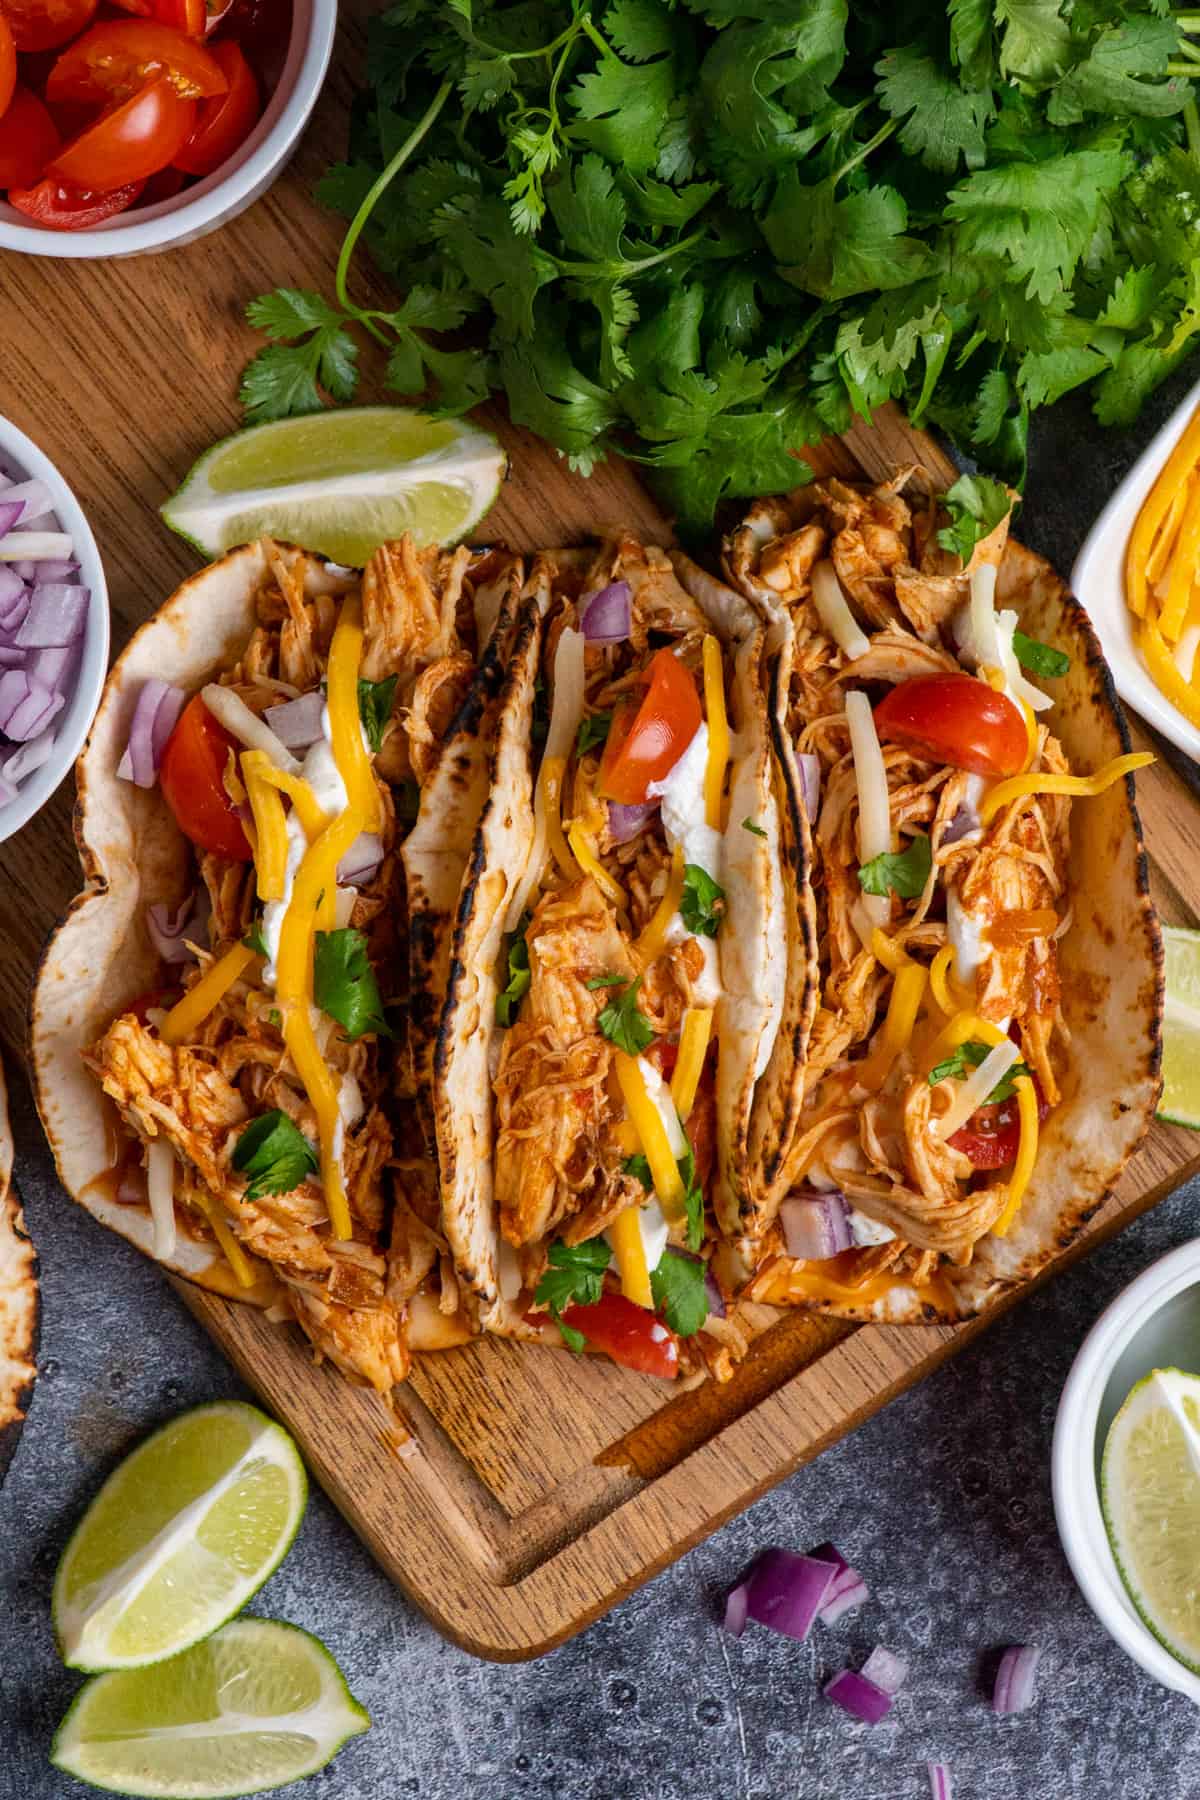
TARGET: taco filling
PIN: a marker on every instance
(254, 1083)
(939, 807)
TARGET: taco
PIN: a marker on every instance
(18, 1301)
(616, 1064)
(985, 1053)
(214, 1057)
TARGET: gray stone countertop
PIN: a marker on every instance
(942, 1500)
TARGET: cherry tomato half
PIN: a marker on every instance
(990, 1136)
(129, 142)
(163, 186)
(8, 64)
(28, 139)
(116, 58)
(629, 1334)
(63, 208)
(223, 122)
(45, 24)
(192, 777)
(666, 722)
(955, 719)
(188, 16)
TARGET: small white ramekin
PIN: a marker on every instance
(230, 189)
(74, 722)
(1151, 1325)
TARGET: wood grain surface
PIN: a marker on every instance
(546, 1488)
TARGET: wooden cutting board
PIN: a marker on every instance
(545, 1487)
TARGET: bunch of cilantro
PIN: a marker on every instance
(701, 233)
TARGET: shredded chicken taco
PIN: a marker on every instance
(221, 1064)
(616, 1074)
(985, 1050)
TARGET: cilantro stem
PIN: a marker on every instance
(1190, 50)
(864, 150)
(1191, 120)
(1187, 69)
(628, 265)
(1188, 21)
(364, 212)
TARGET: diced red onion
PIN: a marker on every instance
(785, 1591)
(9, 514)
(297, 723)
(26, 705)
(940, 1787)
(52, 667)
(858, 1696)
(14, 605)
(25, 548)
(847, 1591)
(55, 568)
(12, 587)
(29, 757)
(56, 616)
(817, 1227)
(965, 820)
(736, 1602)
(624, 822)
(1013, 1691)
(11, 657)
(361, 860)
(7, 791)
(810, 783)
(887, 1670)
(166, 930)
(607, 615)
(33, 498)
(158, 707)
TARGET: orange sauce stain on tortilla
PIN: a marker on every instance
(830, 1281)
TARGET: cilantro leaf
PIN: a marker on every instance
(1038, 658)
(969, 1056)
(575, 1276)
(254, 940)
(702, 902)
(275, 1154)
(639, 1168)
(624, 1024)
(375, 707)
(286, 379)
(592, 731)
(693, 1197)
(900, 872)
(943, 123)
(344, 984)
(976, 505)
(519, 975)
(605, 981)
(749, 825)
(679, 1292)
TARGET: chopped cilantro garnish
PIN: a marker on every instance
(375, 707)
(254, 940)
(592, 731)
(976, 505)
(1039, 658)
(749, 825)
(679, 1292)
(900, 872)
(702, 902)
(575, 1277)
(605, 981)
(624, 1024)
(519, 975)
(969, 1056)
(344, 984)
(275, 1154)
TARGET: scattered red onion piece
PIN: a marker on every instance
(736, 1602)
(887, 1670)
(815, 1226)
(167, 930)
(848, 1592)
(940, 1787)
(297, 723)
(784, 1591)
(624, 822)
(965, 820)
(1013, 1691)
(361, 860)
(810, 783)
(606, 617)
(858, 1696)
(154, 716)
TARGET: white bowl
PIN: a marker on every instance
(74, 722)
(230, 189)
(1154, 1324)
(1098, 579)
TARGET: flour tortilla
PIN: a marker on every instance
(1110, 965)
(18, 1301)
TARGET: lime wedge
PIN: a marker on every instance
(1150, 1495)
(1180, 1103)
(255, 1705)
(180, 1536)
(341, 483)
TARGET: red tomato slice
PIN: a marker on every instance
(45, 24)
(955, 719)
(128, 143)
(666, 722)
(191, 775)
(8, 64)
(188, 16)
(990, 1136)
(261, 27)
(28, 139)
(68, 209)
(116, 58)
(225, 121)
(629, 1334)
(163, 186)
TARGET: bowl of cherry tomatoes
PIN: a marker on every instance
(140, 125)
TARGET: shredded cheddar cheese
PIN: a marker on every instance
(962, 1027)
(664, 1171)
(345, 724)
(270, 830)
(309, 811)
(625, 1235)
(581, 836)
(694, 1034)
(1027, 1150)
(1161, 665)
(551, 777)
(1167, 499)
(183, 1018)
(1017, 786)
(939, 980)
(908, 990)
(232, 1251)
(653, 939)
(718, 732)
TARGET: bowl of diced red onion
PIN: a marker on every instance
(53, 628)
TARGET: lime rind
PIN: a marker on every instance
(1172, 1395)
(121, 1604)
(115, 1738)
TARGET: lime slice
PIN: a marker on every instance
(341, 483)
(255, 1705)
(1180, 1103)
(178, 1538)
(1150, 1494)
